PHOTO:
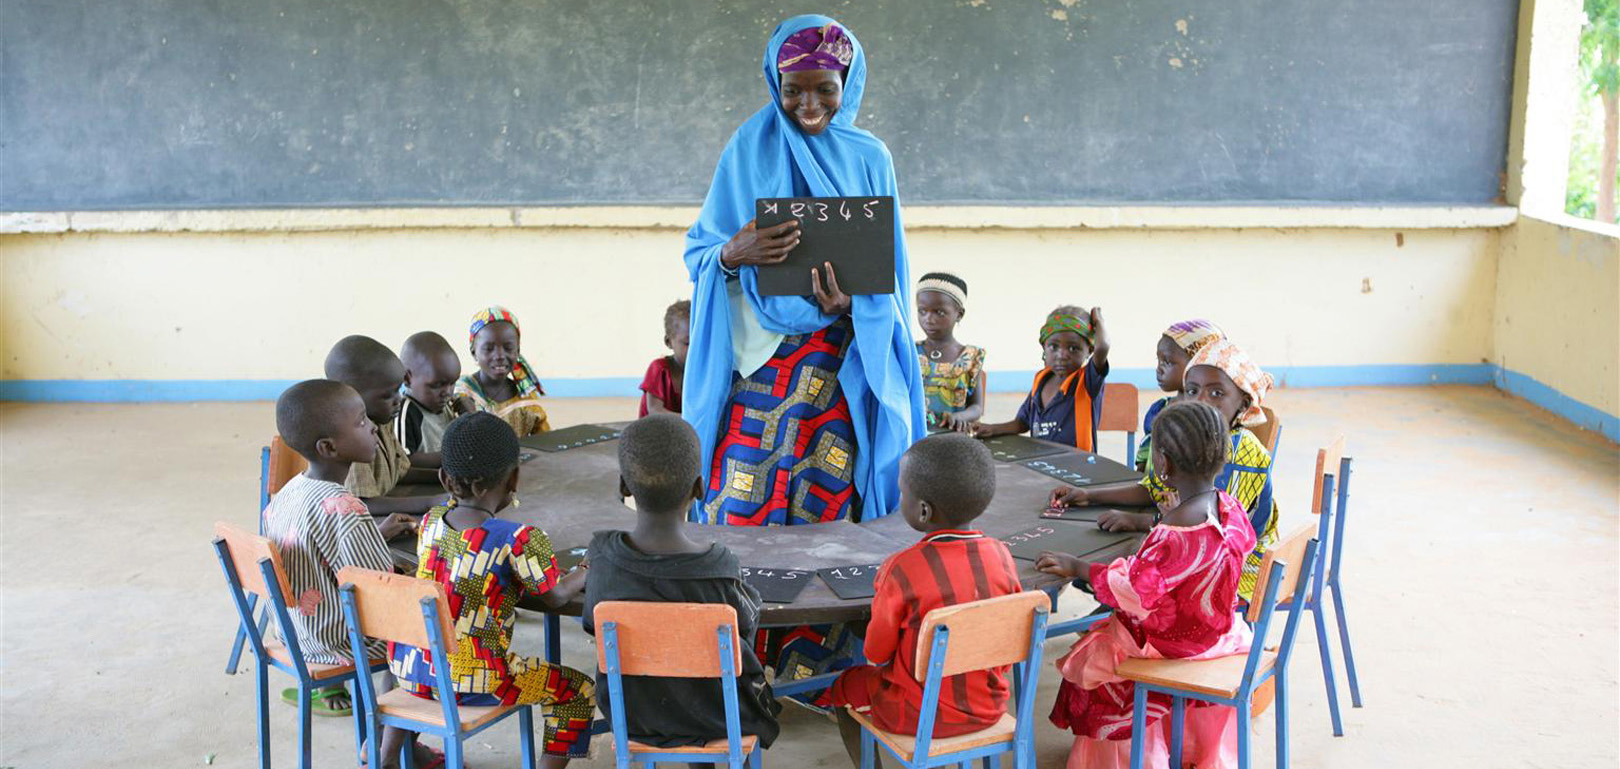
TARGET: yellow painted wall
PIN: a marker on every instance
(235, 305)
(1558, 307)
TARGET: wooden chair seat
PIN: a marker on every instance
(905, 745)
(1220, 677)
(720, 746)
(317, 671)
(406, 705)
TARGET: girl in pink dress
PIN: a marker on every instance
(1175, 598)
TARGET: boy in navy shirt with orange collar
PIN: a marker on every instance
(1066, 400)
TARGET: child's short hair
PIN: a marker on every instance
(1192, 435)
(424, 346)
(952, 472)
(308, 412)
(658, 460)
(679, 311)
(479, 449)
(357, 359)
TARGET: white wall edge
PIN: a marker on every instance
(921, 217)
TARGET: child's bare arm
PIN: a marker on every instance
(964, 420)
(1014, 427)
(567, 589)
(655, 405)
(431, 460)
(423, 476)
(407, 505)
(1099, 346)
(1122, 493)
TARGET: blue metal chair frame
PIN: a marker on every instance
(252, 632)
(264, 616)
(1025, 676)
(726, 635)
(1252, 679)
(451, 732)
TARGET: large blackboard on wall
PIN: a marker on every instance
(270, 103)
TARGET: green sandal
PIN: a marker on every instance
(319, 700)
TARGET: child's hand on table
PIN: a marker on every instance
(1069, 496)
(1119, 520)
(396, 524)
(1061, 565)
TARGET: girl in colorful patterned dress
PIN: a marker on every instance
(1221, 375)
(486, 566)
(953, 373)
(504, 384)
(1174, 599)
(1176, 346)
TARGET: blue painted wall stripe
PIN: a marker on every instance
(182, 390)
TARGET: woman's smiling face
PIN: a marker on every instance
(811, 97)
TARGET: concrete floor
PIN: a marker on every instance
(1482, 578)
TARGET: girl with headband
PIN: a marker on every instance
(952, 372)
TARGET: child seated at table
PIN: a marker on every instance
(321, 527)
(661, 387)
(504, 384)
(377, 374)
(1066, 399)
(946, 481)
(953, 373)
(1176, 346)
(1173, 599)
(486, 566)
(431, 370)
(659, 465)
(1221, 375)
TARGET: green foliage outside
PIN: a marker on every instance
(1600, 75)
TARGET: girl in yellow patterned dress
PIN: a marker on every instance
(953, 373)
(486, 566)
(504, 384)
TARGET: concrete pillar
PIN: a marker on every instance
(1546, 71)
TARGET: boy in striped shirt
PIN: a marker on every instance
(946, 481)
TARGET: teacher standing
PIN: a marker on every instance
(803, 404)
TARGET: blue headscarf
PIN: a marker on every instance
(879, 373)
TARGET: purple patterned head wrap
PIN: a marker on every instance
(816, 48)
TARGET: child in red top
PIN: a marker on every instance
(946, 481)
(661, 387)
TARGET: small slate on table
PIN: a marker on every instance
(1078, 468)
(776, 585)
(855, 234)
(850, 582)
(569, 438)
(1017, 448)
(1072, 537)
(568, 559)
(1087, 514)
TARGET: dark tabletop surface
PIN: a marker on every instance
(571, 494)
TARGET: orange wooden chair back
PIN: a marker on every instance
(1327, 463)
(1121, 408)
(673, 640)
(984, 634)
(390, 607)
(1291, 551)
(1269, 432)
(284, 464)
(246, 550)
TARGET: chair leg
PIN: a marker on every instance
(1344, 643)
(526, 736)
(1280, 704)
(1245, 752)
(1138, 727)
(353, 688)
(1326, 653)
(452, 753)
(264, 714)
(1178, 715)
(306, 748)
(756, 759)
(236, 650)
(868, 750)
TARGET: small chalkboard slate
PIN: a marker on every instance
(1081, 469)
(849, 582)
(855, 234)
(569, 438)
(1087, 514)
(777, 585)
(568, 559)
(1074, 538)
(1017, 448)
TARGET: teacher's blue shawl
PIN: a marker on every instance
(879, 375)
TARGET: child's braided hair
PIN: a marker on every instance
(1192, 435)
(479, 451)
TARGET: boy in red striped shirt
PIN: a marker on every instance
(946, 481)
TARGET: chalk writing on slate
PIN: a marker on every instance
(777, 585)
(1017, 448)
(849, 582)
(524, 456)
(855, 234)
(568, 559)
(569, 438)
(1081, 469)
(1087, 514)
(1074, 538)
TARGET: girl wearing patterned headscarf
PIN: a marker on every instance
(1066, 399)
(1176, 346)
(1223, 376)
(504, 384)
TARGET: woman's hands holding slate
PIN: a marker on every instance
(832, 299)
(755, 246)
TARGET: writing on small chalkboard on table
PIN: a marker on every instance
(776, 585)
(568, 559)
(851, 581)
(567, 438)
(1082, 469)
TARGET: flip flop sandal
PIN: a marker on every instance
(319, 704)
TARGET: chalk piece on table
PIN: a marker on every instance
(776, 585)
(1072, 537)
(855, 234)
(1078, 468)
(569, 438)
(850, 582)
(568, 559)
(1017, 448)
